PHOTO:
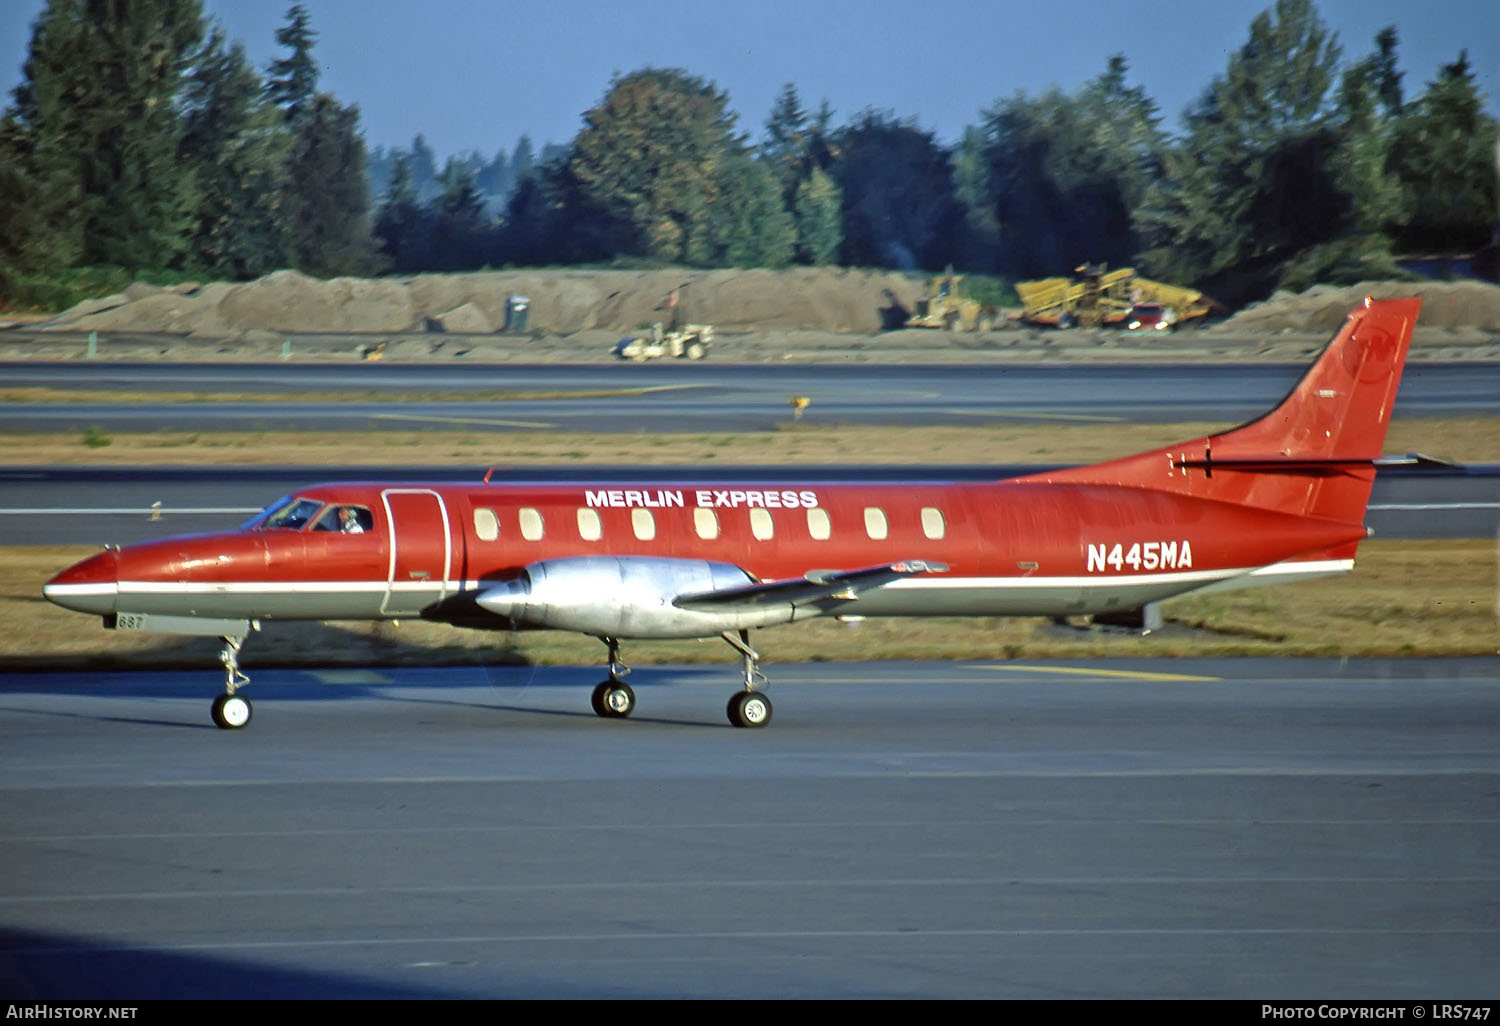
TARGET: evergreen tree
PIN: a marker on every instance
(749, 226)
(1384, 73)
(1054, 180)
(978, 246)
(97, 113)
(784, 147)
(522, 158)
(648, 160)
(898, 199)
(326, 202)
(424, 171)
(819, 219)
(495, 180)
(232, 144)
(1444, 155)
(455, 221)
(400, 225)
(1253, 181)
(1363, 124)
(293, 85)
(41, 233)
(545, 221)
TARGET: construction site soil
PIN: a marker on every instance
(810, 314)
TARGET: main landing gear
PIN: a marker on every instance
(614, 699)
(230, 711)
(748, 708)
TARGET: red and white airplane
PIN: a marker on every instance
(1278, 499)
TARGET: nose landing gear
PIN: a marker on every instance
(230, 711)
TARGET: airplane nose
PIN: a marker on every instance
(91, 586)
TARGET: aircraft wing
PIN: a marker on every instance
(815, 586)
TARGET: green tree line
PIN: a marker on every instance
(141, 139)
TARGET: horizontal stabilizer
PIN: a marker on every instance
(1418, 459)
(815, 586)
(1275, 463)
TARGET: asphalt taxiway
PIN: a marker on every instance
(1185, 829)
(695, 397)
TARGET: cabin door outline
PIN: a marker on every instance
(421, 559)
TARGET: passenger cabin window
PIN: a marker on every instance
(875, 525)
(486, 525)
(643, 523)
(761, 524)
(531, 525)
(933, 524)
(588, 524)
(706, 523)
(818, 524)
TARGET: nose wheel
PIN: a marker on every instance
(230, 711)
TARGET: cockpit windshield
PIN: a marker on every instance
(285, 514)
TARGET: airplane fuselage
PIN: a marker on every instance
(1010, 549)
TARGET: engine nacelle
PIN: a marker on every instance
(625, 597)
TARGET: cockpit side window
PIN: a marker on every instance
(290, 514)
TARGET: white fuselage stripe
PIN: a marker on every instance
(928, 582)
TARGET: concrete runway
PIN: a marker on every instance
(1155, 829)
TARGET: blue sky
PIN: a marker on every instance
(476, 74)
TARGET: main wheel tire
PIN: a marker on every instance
(596, 700)
(231, 712)
(613, 699)
(749, 709)
(696, 351)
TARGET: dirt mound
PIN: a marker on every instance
(561, 302)
(1445, 306)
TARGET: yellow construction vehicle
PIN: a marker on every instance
(1101, 296)
(689, 342)
(945, 306)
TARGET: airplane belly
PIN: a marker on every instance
(263, 600)
(1024, 596)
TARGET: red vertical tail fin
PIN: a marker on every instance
(1313, 454)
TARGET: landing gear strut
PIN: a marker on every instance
(748, 708)
(230, 711)
(613, 698)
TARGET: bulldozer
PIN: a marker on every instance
(946, 306)
(1099, 296)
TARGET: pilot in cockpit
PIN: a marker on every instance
(344, 520)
